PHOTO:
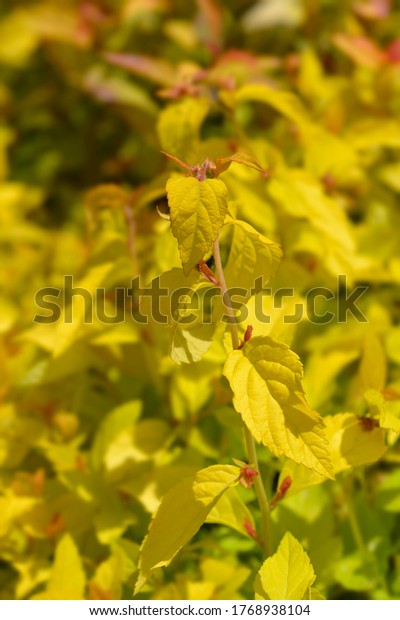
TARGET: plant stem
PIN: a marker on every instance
(225, 296)
(260, 492)
(259, 487)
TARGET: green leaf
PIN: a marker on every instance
(181, 513)
(265, 377)
(198, 212)
(388, 493)
(353, 573)
(287, 575)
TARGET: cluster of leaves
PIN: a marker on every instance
(286, 115)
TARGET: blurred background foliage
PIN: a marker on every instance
(96, 420)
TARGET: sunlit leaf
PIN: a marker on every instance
(287, 575)
(251, 256)
(182, 512)
(265, 377)
(197, 214)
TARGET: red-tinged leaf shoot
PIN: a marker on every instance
(247, 475)
(222, 163)
(281, 492)
(208, 274)
(204, 170)
(247, 335)
(248, 526)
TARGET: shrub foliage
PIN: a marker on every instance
(237, 436)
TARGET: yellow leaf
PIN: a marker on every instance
(373, 133)
(230, 510)
(179, 127)
(67, 579)
(189, 345)
(354, 441)
(326, 153)
(372, 368)
(283, 318)
(223, 163)
(227, 576)
(287, 575)
(265, 377)
(180, 515)
(385, 411)
(162, 299)
(68, 331)
(11, 509)
(33, 572)
(197, 214)
(251, 256)
(136, 444)
(322, 368)
(119, 419)
(284, 102)
(301, 197)
(316, 596)
(18, 38)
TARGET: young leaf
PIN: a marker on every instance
(198, 212)
(265, 377)
(181, 513)
(287, 575)
(223, 163)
